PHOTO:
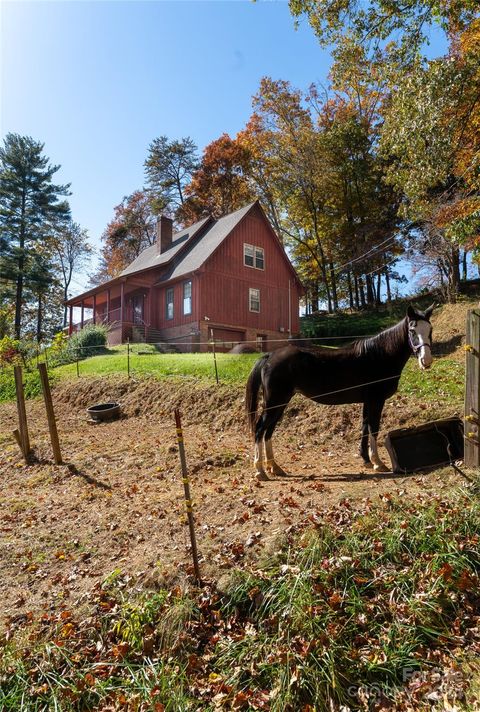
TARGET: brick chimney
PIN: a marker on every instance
(164, 234)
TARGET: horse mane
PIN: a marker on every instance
(390, 340)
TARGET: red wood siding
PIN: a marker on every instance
(226, 282)
(159, 320)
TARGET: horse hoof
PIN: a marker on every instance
(279, 471)
(381, 467)
(261, 477)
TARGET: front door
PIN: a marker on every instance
(137, 308)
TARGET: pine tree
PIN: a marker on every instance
(28, 201)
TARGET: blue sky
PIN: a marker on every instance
(97, 81)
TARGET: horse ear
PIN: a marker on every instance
(411, 313)
(428, 312)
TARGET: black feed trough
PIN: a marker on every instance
(426, 446)
(104, 411)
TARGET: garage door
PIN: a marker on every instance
(225, 339)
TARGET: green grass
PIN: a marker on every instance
(356, 605)
(231, 367)
(31, 382)
(361, 323)
(443, 383)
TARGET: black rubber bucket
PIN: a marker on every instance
(104, 411)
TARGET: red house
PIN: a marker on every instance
(230, 275)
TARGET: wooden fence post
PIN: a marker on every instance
(472, 389)
(188, 500)
(52, 424)
(22, 413)
(214, 354)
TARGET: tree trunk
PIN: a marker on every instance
(361, 290)
(454, 275)
(370, 289)
(334, 287)
(65, 308)
(350, 289)
(464, 266)
(39, 318)
(21, 266)
(357, 292)
(387, 283)
(378, 300)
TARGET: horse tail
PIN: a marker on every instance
(253, 387)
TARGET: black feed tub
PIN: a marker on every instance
(104, 411)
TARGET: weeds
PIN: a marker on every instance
(358, 605)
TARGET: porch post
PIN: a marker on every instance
(70, 320)
(122, 300)
(94, 308)
(108, 306)
(81, 315)
(146, 314)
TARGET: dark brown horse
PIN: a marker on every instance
(366, 371)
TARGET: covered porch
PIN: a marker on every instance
(124, 305)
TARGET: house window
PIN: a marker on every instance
(253, 256)
(187, 297)
(169, 303)
(254, 300)
(259, 257)
(248, 255)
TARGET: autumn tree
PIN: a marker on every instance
(72, 252)
(218, 186)
(428, 129)
(313, 165)
(131, 230)
(431, 139)
(392, 29)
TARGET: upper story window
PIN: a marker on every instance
(254, 300)
(169, 303)
(187, 297)
(253, 256)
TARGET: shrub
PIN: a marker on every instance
(88, 341)
(10, 351)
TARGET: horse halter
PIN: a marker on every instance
(417, 347)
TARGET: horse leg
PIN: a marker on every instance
(272, 413)
(258, 459)
(270, 463)
(375, 414)
(364, 439)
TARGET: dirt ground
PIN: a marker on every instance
(118, 504)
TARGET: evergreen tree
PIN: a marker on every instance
(28, 201)
(168, 169)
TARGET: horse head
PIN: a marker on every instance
(420, 335)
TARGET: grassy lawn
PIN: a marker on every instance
(231, 367)
(443, 383)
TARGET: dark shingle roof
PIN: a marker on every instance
(150, 258)
(202, 249)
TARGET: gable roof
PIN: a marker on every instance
(149, 257)
(202, 249)
(189, 250)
